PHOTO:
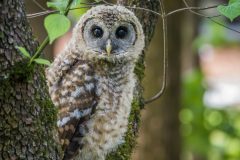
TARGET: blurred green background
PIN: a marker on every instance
(198, 117)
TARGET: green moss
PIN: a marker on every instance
(140, 67)
(49, 112)
(19, 72)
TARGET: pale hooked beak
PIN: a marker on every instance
(108, 47)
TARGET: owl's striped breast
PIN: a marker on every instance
(109, 123)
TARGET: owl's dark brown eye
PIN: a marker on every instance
(97, 32)
(121, 32)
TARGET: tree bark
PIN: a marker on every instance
(27, 115)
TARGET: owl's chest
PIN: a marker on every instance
(109, 122)
(114, 105)
(112, 90)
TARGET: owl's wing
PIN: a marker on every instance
(60, 66)
(73, 91)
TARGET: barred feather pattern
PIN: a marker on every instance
(94, 103)
(109, 122)
(93, 92)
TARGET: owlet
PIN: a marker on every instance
(92, 82)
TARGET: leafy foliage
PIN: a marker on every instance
(232, 10)
(27, 55)
(24, 52)
(56, 25)
(60, 5)
(42, 61)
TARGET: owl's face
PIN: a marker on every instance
(109, 40)
(109, 32)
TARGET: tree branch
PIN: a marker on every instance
(165, 55)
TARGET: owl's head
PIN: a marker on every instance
(109, 32)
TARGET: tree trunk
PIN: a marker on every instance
(27, 116)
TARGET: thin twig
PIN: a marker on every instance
(39, 5)
(165, 55)
(192, 8)
(46, 12)
(89, 6)
(144, 9)
(108, 3)
(234, 30)
(210, 18)
(134, 7)
(90, 3)
(34, 15)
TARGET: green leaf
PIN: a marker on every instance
(60, 5)
(42, 61)
(56, 25)
(24, 51)
(232, 10)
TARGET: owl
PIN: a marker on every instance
(92, 82)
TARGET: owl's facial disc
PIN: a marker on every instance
(109, 40)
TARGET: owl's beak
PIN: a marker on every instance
(108, 47)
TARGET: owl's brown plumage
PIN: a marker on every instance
(92, 82)
(74, 94)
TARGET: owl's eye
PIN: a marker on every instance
(97, 32)
(121, 32)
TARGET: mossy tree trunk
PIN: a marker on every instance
(27, 115)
